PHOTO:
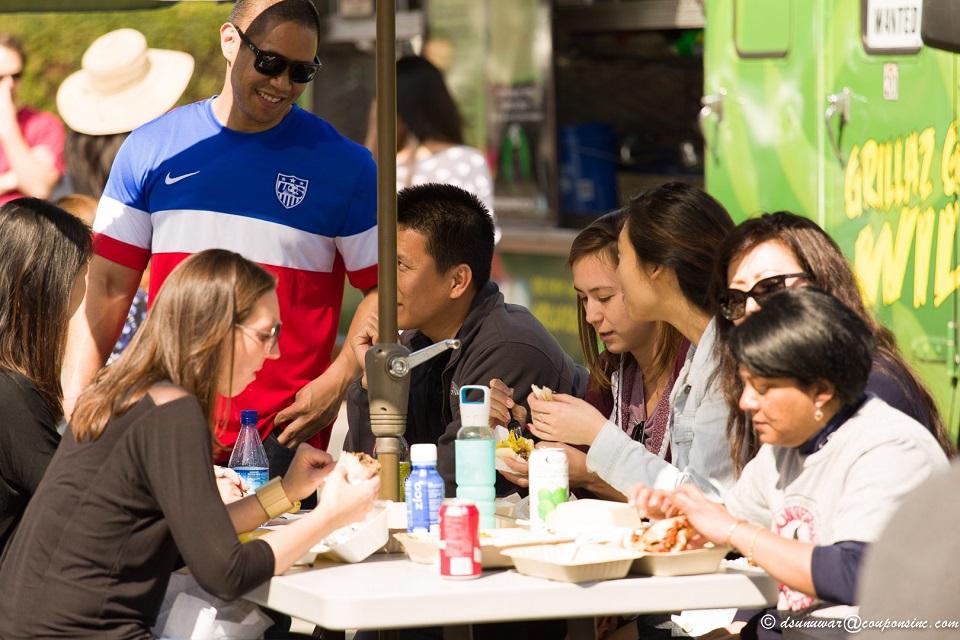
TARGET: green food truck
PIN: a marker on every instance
(836, 109)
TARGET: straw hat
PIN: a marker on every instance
(122, 84)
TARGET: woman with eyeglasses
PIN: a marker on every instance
(631, 379)
(783, 250)
(666, 250)
(130, 494)
(834, 463)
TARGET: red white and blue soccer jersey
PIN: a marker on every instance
(298, 199)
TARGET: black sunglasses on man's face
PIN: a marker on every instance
(733, 302)
(273, 64)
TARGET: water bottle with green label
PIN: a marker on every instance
(476, 453)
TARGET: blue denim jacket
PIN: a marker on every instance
(698, 443)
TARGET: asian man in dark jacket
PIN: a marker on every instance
(445, 244)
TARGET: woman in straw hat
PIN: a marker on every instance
(121, 85)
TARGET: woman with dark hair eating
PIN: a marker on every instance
(834, 462)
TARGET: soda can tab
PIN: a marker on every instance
(460, 555)
(549, 483)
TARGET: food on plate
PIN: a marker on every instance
(515, 445)
(669, 535)
(360, 466)
(542, 393)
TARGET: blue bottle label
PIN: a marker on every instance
(424, 492)
(253, 477)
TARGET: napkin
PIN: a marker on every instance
(198, 615)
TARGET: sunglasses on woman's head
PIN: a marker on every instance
(273, 64)
(733, 302)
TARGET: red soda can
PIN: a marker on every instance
(459, 539)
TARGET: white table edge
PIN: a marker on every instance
(501, 596)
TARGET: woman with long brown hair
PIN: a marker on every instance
(783, 250)
(43, 262)
(666, 251)
(131, 489)
(631, 378)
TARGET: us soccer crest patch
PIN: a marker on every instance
(291, 190)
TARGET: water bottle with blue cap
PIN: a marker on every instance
(476, 453)
(249, 459)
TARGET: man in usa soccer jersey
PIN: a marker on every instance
(249, 171)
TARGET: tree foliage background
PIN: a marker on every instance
(55, 43)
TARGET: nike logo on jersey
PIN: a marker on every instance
(168, 180)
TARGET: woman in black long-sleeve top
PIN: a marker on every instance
(43, 262)
(131, 490)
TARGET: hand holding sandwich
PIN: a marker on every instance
(565, 418)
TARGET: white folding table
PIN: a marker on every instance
(390, 592)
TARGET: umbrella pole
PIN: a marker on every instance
(388, 394)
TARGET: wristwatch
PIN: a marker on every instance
(274, 499)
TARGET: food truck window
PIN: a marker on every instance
(940, 25)
(762, 28)
(891, 26)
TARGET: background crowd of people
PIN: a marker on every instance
(742, 381)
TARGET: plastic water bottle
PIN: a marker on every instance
(476, 453)
(249, 459)
(424, 490)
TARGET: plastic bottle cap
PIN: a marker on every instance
(248, 415)
(474, 413)
(423, 453)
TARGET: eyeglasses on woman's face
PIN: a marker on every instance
(273, 64)
(733, 302)
(269, 339)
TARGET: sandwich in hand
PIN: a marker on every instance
(542, 393)
(360, 466)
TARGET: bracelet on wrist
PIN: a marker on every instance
(274, 499)
(753, 544)
(733, 527)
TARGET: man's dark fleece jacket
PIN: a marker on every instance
(498, 340)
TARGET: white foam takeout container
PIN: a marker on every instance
(573, 562)
(592, 517)
(680, 563)
(354, 543)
